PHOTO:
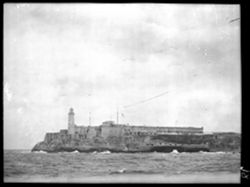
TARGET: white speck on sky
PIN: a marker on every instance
(7, 92)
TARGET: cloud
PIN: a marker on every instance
(20, 110)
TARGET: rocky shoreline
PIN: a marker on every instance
(131, 139)
(170, 143)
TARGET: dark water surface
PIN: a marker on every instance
(24, 166)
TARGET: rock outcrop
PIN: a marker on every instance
(228, 142)
(63, 142)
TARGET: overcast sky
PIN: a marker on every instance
(99, 57)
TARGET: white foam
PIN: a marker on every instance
(220, 152)
(202, 152)
(175, 151)
(122, 170)
(105, 152)
(40, 151)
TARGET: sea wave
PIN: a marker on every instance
(105, 152)
(25, 151)
(217, 152)
(39, 152)
(220, 152)
(129, 171)
(203, 152)
(115, 165)
(175, 151)
(102, 152)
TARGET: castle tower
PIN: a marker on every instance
(71, 122)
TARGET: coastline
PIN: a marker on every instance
(111, 151)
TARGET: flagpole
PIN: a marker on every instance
(117, 115)
(89, 118)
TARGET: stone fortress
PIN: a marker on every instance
(127, 138)
(109, 128)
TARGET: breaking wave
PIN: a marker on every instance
(39, 152)
(105, 152)
(204, 152)
(128, 171)
(28, 166)
(175, 151)
(218, 152)
(102, 152)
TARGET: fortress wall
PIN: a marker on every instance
(121, 130)
(51, 136)
(77, 129)
(91, 132)
(64, 136)
(64, 131)
(179, 130)
(127, 131)
(146, 130)
(138, 130)
(184, 130)
(107, 131)
(83, 130)
(98, 131)
(80, 129)
(160, 130)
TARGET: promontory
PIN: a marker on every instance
(114, 137)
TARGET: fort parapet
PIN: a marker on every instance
(109, 128)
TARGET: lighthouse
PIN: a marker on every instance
(71, 122)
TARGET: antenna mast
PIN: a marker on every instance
(117, 116)
(89, 118)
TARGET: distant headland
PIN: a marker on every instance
(127, 138)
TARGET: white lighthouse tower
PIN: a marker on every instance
(71, 122)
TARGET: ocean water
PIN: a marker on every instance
(25, 166)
